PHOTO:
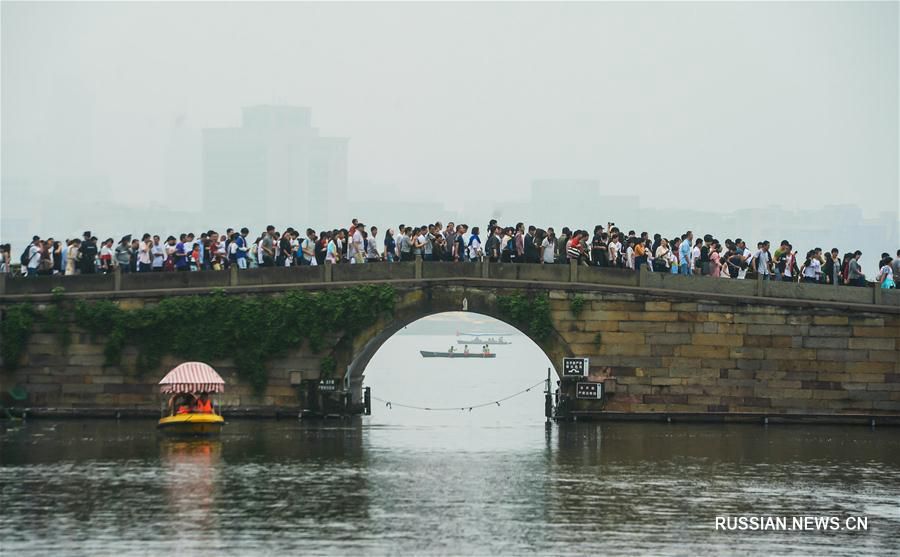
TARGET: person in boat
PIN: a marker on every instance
(466, 349)
(486, 350)
(451, 350)
(181, 404)
(204, 405)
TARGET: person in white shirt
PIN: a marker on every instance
(763, 260)
(34, 257)
(308, 247)
(746, 255)
(145, 254)
(356, 251)
(812, 268)
(159, 255)
(548, 247)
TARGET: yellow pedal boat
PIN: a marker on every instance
(189, 410)
(192, 424)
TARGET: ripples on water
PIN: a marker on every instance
(400, 482)
(104, 488)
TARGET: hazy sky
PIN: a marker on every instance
(686, 104)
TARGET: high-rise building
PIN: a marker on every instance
(274, 169)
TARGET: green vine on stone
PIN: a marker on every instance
(577, 304)
(250, 329)
(15, 329)
(327, 367)
(529, 312)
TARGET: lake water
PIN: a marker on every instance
(495, 480)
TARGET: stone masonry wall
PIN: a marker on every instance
(712, 357)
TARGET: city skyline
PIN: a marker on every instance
(800, 119)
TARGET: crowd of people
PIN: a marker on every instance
(607, 246)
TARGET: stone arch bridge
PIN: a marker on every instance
(663, 345)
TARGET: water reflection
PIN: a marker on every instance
(190, 476)
(352, 487)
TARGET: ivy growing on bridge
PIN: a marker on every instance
(14, 332)
(251, 330)
(529, 312)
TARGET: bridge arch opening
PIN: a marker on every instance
(446, 387)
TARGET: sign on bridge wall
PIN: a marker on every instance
(575, 368)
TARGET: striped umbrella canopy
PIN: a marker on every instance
(192, 377)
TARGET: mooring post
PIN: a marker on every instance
(548, 399)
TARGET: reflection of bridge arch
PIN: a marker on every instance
(422, 301)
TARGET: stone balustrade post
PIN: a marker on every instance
(573, 270)
(2, 283)
(485, 268)
(117, 278)
(418, 266)
(233, 275)
(876, 294)
(760, 287)
(329, 266)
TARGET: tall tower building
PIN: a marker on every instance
(274, 169)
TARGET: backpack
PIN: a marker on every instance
(23, 259)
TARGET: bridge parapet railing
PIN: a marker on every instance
(419, 270)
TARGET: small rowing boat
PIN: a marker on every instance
(430, 354)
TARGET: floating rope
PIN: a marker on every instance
(390, 404)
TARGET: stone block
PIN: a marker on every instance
(106, 379)
(669, 338)
(701, 399)
(827, 354)
(825, 342)
(867, 321)
(883, 387)
(684, 306)
(829, 331)
(746, 352)
(622, 338)
(624, 350)
(704, 339)
(889, 332)
(657, 306)
(884, 355)
(666, 381)
(830, 320)
(800, 320)
(85, 349)
(769, 330)
(653, 316)
(757, 341)
(582, 338)
(604, 305)
(760, 319)
(870, 367)
(88, 360)
(874, 343)
(694, 351)
(642, 326)
(679, 327)
(790, 354)
(81, 388)
(694, 373)
(662, 350)
(599, 326)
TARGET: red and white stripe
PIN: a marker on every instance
(192, 377)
